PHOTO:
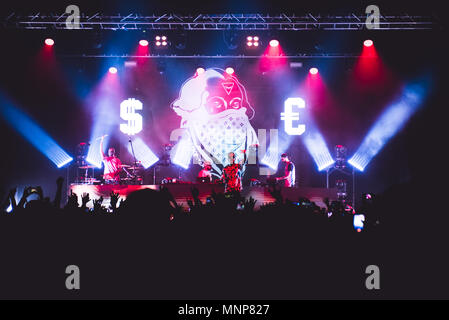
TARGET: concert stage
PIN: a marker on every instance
(182, 192)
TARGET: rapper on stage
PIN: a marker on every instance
(289, 172)
(112, 165)
(231, 174)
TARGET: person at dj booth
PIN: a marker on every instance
(289, 171)
(231, 174)
(112, 165)
(205, 175)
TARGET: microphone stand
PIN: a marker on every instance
(135, 160)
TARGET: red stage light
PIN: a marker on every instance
(249, 44)
(313, 70)
(113, 70)
(274, 43)
(158, 43)
(49, 42)
(249, 38)
(143, 43)
(256, 38)
(229, 70)
(368, 43)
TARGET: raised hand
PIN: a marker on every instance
(195, 192)
(114, 200)
(40, 192)
(85, 199)
(73, 199)
(249, 204)
(97, 204)
(59, 181)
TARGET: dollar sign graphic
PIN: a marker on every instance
(128, 113)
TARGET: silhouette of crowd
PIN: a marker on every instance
(161, 205)
(148, 246)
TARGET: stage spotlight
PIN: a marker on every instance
(368, 43)
(161, 41)
(143, 154)
(274, 43)
(271, 157)
(49, 42)
(143, 43)
(317, 148)
(200, 71)
(229, 70)
(252, 41)
(183, 153)
(34, 134)
(313, 70)
(113, 70)
(388, 124)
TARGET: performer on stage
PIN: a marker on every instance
(205, 174)
(289, 172)
(231, 174)
(112, 165)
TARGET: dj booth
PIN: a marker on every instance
(182, 192)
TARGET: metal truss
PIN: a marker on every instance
(200, 56)
(135, 21)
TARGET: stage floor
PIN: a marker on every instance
(182, 192)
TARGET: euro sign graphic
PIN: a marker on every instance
(128, 113)
(288, 116)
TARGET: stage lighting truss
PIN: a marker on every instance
(250, 22)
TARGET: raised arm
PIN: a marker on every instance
(245, 158)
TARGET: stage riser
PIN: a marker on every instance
(182, 192)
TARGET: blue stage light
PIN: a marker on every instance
(94, 156)
(35, 135)
(183, 153)
(388, 124)
(271, 157)
(317, 148)
(143, 154)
